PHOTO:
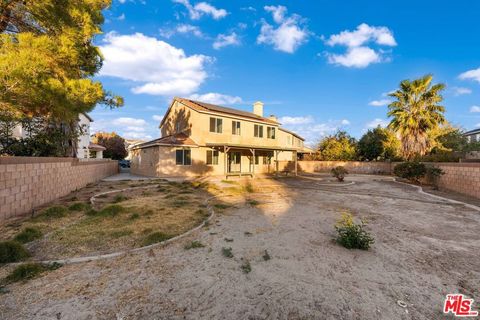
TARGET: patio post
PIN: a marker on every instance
(276, 162)
(296, 156)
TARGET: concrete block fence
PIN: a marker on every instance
(28, 182)
(462, 177)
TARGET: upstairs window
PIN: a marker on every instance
(236, 128)
(183, 157)
(270, 132)
(212, 157)
(258, 131)
(216, 125)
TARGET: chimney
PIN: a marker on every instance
(273, 118)
(258, 108)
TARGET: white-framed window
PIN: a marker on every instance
(236, 128)
(270, 132)
(216, 125)
(183, 157)
(212, 157)
(258, 131)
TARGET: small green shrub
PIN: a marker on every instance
(28, 235)
(246, 267)
(352, 235)
(266, 256)
(91, 212)
(412, 171)
(433, 174)
(134, 216)
(121, 233)
(155, 238)
(111, 210)
(249, 188)
(253, 202)
(193, 245)
(29, 271)
(55, 212)
(78, 206)
(12, 251)
(339, 173)
(119, 198)
(227, 252)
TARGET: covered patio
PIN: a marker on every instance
(244, 160)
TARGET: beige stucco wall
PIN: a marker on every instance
(28, 182)
(159, 161)
(197, 126)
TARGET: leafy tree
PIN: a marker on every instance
(47, 58)
(339, 146)
(447, 138)
(378, 144)
(415, 112)
(114, 143)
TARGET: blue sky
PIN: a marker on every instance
(318, 65)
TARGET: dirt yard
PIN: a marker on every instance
(281, 230)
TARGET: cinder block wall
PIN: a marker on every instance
(28, 182)
(463, 178)
(460, 177)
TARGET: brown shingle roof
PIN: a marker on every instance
(202, 106)
(178, 139)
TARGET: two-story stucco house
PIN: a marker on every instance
(204, 139)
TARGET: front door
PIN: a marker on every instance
(234, 162)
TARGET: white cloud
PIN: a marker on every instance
(458, 91)
(182, 29)
(121, 17)
(475, 109)
(122, 1)
(358, 54)
(362, 35)
(224, 40)
(125, 121)
(295, 120)
(156, 66)
(129, 128)
(380, 103)
(157, 117)
(216, 98)
(308, 128)
(202, 8)
(137, 135)
(471, 75)
(357, 57)
(289, 34)
(377, 122)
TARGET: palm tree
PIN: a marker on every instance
(415, 112)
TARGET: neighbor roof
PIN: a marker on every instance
(474, 131)
(178, 139)
(203, 106)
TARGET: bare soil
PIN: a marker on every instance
(424, 248)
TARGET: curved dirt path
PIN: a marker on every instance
(425, 248)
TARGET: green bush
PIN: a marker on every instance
(29, 271)
(246, 267)
(193, 245)
(156, 237)
(78, 206)
(119, 198)
(111, 210)
(28, 235)
(227, 252)
(339, 173)
(55, 212)
(352, 235)
(412, 171)
(12, 251)
(433, 173)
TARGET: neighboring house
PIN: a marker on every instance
(205, 139)
(129, 144)
(85, 148)
(473, 135)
